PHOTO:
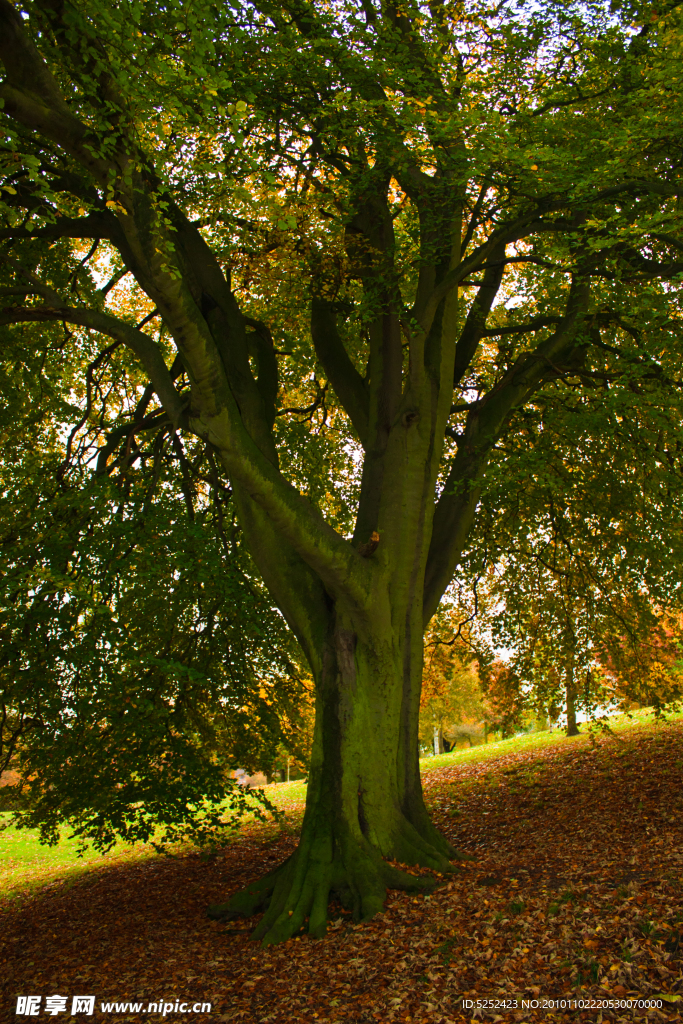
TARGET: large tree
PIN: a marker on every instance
(344, 200)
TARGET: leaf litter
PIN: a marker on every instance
(575, 893)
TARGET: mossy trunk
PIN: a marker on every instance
(364, 806)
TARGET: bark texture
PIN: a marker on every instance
(570, 694)
(363, 803)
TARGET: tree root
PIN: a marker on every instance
(295, 895)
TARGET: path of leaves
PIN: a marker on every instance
(576, 890)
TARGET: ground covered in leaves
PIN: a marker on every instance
(575, 896)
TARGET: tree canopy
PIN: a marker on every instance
(141, 659)
(365, 259)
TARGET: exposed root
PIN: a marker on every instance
(429, 834)
(301, 895)
(251, 900)
(296, 895)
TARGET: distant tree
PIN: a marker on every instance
(451, 691)
(293, 755)
(582, 571)
(504, 706)
(649, 673)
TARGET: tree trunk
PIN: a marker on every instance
(570, 690)
(364, 806)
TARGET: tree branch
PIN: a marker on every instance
(139, 342)
(458, 501)
(343, 375)
(32, 95)
(521, 227)
(341, 568)
(476, 318)
(95, 225)
(532, 325)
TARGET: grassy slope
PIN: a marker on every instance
(26, 866)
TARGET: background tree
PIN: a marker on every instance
(451, 691)
(398, 174)
(584, 568)
(648, 674)
(506, 704)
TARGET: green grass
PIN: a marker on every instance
(287, 795)
(620, 725)
(26, 866)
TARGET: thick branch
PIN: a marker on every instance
(528, 224)
(32, 95)
(261, 347)
(139, 342)
(537, 324)
(534, 223)
(95, 225)
(335, 560)
(344, 377)
(298, 590)
(476, 318)
(486, 421)
(651, 268)
(342, 569)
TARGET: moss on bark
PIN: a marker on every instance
(364, 803)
